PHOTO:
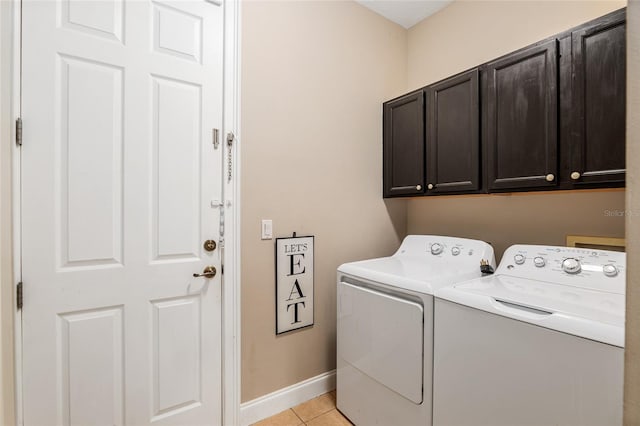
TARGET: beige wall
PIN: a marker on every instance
(525, 218)
(314, 75)
(466, 34)
(470, 32)
(632, 353)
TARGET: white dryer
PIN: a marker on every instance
(385, 327)
(538, 343)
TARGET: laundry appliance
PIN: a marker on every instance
(538, 343)
(385, 327)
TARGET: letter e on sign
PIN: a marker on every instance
(294, 283)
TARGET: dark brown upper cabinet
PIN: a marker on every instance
(520, 119)
(595, 105)
(548, 116)
(453, 135)
(403, 145)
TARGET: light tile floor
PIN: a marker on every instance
(320, 411)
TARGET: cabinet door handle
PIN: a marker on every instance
(430, 186)
(575, 175)
(418, 187)
(550, 177)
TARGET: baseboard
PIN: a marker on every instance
(285, 398)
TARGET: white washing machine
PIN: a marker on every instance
(385, 327)
(538, 343)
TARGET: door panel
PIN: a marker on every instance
(176, 324)
(403, 142)
(520, 119)
(598, 102)
(118, 174)
(453, 139)
(381, 335)
(91, 346)
(176, 168)
(91, 142)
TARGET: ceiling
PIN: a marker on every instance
(405, 12)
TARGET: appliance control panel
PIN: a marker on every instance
(601, 270)
(435, 248)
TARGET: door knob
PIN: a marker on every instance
(208, 272)
(550, 177)
(209, 245)
(575, 175)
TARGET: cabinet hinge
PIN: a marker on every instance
(19, 131)
(19, 295)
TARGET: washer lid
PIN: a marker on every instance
(591, 314)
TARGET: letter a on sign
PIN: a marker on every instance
(294, 283)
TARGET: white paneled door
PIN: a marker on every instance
(119, 171)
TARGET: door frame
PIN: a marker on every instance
(11, 405)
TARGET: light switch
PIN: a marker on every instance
(267, 229)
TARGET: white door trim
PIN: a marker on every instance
(231, 290)
(231, 280)
(16, 195)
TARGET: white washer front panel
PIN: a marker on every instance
(382, 336)
(582, 312)
(490, 370)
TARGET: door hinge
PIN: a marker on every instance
(19, 295)
(19, 131)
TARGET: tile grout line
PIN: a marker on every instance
(299, 418)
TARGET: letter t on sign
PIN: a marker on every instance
(294, 283)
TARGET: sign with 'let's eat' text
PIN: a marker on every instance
(294, 283)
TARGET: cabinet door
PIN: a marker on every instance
(520, 119)
(403, 142)
(453, 135)
(597, 153)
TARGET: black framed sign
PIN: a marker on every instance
(294, 283)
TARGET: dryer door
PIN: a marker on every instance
(382, 336)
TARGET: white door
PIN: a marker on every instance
(119, 103)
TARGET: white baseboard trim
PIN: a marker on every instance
(285, 398)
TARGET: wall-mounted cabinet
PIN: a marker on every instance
(453, 135)
(520, 119)
(403, 145)
(596, 107)
(548, 116)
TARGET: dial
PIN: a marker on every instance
(436, 248)
(610, 270)
(519, 259)
(571, 265)
(539, 262)
(455, 251)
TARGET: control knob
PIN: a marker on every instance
(610, 270)
(436, 248)
(455, 251)
(539, 262)
(519, 259)
(571, 265)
